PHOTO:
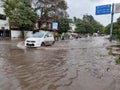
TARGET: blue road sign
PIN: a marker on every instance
(103, 9)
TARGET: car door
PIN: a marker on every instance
(46, 39)
(51, 39)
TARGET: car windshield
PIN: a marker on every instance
(38, 35)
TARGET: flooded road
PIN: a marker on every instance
(82, 64)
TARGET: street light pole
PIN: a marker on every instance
(111, 27)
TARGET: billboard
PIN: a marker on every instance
(103, 9)
(117, 8)
(54, 25)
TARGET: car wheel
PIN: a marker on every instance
(43, 44)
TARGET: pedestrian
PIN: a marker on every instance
(76, 36)
(62, 36)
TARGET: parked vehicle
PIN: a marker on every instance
(41, 38)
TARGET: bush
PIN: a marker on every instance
(117, 60)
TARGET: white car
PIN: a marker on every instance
(41, 38)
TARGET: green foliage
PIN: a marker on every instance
(63, 25)
(66, 35)
(20, 13)
(88, 18)
(110, 51)
(87, 25)
(57, 35)
(117, 60)
(106, 30)
(84, 28)
(116, 28)
(48, 9)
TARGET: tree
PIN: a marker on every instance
(116, 28)
(49, 10)
(88, 18)
(63, 25)
(87, 25)
(106, 30)
(54, 7)
(20, 13)
(84, 28)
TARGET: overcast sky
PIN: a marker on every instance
(78, 8)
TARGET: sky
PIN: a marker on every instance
(78, 8)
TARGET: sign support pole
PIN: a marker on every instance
(111, 27)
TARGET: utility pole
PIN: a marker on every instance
(111, 27)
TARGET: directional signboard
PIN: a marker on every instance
(103, 9)
(117, 8)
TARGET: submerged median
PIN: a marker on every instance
(115, 51)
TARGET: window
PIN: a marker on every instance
(2, 17)
(47, 35)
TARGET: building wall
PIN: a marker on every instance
(1, 10)
(73, 26)
(17, 34)
(4, 23)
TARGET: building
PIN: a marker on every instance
(73, 27)
(5, 30)
(4, 22)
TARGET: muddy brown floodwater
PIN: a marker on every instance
(82, 64)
